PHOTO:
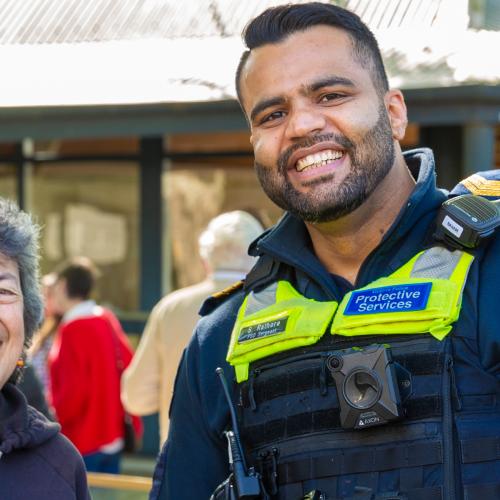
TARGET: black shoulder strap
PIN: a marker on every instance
(263, 272)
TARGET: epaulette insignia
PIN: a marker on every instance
(478, 185)
(219, 297)
(228, 290)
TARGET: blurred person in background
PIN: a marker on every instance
(88, 356)
(31, 386)
(36, 460)
(147, 384)
(43, 338)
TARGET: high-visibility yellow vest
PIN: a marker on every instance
(423, 296)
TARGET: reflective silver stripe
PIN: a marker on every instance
(437, 263)
(260, 300)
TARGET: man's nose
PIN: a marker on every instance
(304, 121)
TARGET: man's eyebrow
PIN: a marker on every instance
(329, 81)
(313, 87)
(264, 104)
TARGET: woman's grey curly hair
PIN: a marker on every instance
(19, 236)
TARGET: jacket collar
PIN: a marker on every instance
(21, 425)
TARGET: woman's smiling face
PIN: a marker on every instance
(11, 318)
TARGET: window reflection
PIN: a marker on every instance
(92, 208)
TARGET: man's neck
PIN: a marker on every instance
(343, 245)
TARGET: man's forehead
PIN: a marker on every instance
(318, 40)
(303, 57)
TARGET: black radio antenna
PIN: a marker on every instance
(247, 482)
(234, 421)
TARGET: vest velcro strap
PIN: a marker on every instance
(480, 449)
(290, 382)
(423, 407)
(430, 493)
(482, 491)
(326, 420)
(362, 460)
(422, 363)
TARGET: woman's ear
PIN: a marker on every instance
(396, 108)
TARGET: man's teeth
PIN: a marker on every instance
(318, 159)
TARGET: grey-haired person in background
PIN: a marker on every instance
(148, 382)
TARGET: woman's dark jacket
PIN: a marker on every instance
(36, 460)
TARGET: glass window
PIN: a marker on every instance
(194, 194)
(92, 208)
(209, 173)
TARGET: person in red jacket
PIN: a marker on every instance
(87, 358)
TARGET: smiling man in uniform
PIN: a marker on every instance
(361, 351)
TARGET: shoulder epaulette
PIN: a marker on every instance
(219, 297)
(485, 184)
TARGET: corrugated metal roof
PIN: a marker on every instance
(88, 52)
(76, 21)
(396, 13)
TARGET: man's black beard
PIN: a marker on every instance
(371, 160)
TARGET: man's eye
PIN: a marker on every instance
(332, 96)
(275, 115)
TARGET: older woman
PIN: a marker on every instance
(36, 461)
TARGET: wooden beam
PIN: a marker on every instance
(119, 481)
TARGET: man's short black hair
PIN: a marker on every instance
(80, 275)
(276, 23)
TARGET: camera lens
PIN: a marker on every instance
(334, 363)
(362, 388)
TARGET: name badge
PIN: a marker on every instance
(262, 330)
(387, 299)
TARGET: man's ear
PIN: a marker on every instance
(396, 108)
(251, 139)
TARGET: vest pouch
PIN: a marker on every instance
(479, 449)
(293, 433)
(274, 320)
(399, 306)
(424, 295)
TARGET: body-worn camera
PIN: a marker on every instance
(367, 386)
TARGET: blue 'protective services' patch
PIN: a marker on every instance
(387, 299)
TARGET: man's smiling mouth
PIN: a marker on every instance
(318, 159)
